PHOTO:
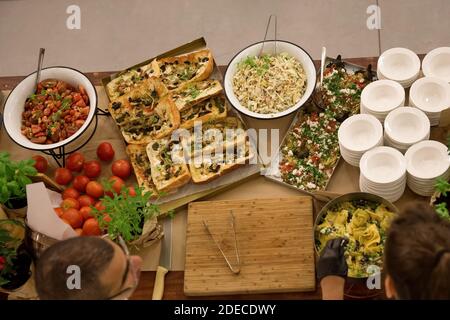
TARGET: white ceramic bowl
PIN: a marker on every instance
(399, 64)
(427, 159)
(360, 132)
(269, 47)
(15, 104)
(382, 96)
(437, 64)
(407, 125)
(383, 165)
(430, 94)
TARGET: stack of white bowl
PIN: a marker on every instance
(358, 134)
(437, 64)
(399, 64)
(404, 127)
(381, 97)
(431, 95)
(426, 161)
(383, 172)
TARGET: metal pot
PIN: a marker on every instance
(356, 288)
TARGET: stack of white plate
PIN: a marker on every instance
(358, 134)
(383, 172)
(431, 95)
(437, 64)
(399, 64)
(381, 97)
(404, 127)
(426, 161)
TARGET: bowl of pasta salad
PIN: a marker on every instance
(362, 218)
(270, 79)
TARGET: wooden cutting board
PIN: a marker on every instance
(275, 242)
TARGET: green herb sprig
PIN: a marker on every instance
(127, 213)
(14, 176)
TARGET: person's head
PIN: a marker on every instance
(417, 255)
(106, 270)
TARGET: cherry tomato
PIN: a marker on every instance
(80, 182)
(121, 168)
(63, 176)
(75, 161)
(117, 183)
(86, 200)
(70, 193)
(99, 206)
(92, 169)
(105, 151)
(40, 164)
(74, 217)
(131, 191)
(86, 212)
(59, 211)
(70, 203)
(94, 189)
(91, 228)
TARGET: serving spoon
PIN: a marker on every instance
(322, 64)
(40, 60)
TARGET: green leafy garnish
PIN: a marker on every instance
(127, 213)
(442, 210)
(193, 92)
(442, 186)
(14, 176)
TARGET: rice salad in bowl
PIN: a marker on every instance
(270, 83)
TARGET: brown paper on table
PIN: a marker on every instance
(41, 217)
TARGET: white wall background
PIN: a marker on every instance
(115, 34)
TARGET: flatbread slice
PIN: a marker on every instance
(212, 109)
(194, 92)
(179, 70)
(141, 167)
(169, 170)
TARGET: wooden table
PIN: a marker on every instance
(174, 280)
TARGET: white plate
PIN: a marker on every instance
(383, 165)
(269, 47)
(382, 96)
(360, 132)
(427, 159)
(15, 104)
(437, 63)
(430, 94)
(406, 125)
(399, 64)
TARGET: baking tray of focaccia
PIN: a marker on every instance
(158, 105)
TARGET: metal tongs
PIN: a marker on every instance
(236, 269)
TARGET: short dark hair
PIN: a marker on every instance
(417, 254)
(91, 254)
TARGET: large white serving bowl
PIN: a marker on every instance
(437, 64)
(15, 104)
(382, 96)
(427, 159)
(399, 64)
(430, 94)
(407, 125)
(269, 48)
(383, 165)
(360, 132)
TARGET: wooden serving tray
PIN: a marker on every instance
(275, 241)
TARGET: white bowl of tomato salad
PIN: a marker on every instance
(55, 113)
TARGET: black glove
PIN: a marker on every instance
(332, 261)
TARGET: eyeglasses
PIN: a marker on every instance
(124, 294)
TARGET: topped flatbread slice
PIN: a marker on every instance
(176, 71)
(194, 92)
